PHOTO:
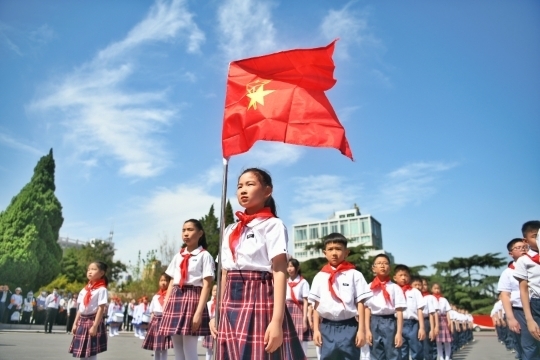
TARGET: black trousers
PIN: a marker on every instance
(50, 318)
(26, 317)
(71, 319)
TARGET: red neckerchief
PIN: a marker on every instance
(425, 293)
(292, 285)
(213, 307)
(245, 219)
(89, 287)
(535, 258)
(186, 255)
(344, 266)
(511, 265)
(438, 296)
(405, 288)
(161, 293)
(381, 285)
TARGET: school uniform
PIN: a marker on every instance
(297, 291)
(72, 312)
(432, 307)
(40, 312)
(444, 335)
(153, 339)
(52, 302)
(248, 299)
(183, 300)
(137, 319)
(527, 269)
(411, 344)
(83, 345)
(27, 308)
(338, 311)
(383, 324)
(130, 308)
(208, 341)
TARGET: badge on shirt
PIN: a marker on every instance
(345, 284)
(249, 236)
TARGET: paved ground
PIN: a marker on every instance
(37, 345)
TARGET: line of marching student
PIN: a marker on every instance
(263, 314)
(516, 316)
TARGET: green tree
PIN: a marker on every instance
(211, 229)
(29, 227)
(229, 215)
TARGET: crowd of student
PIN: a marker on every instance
(264, 309)
(516, 316)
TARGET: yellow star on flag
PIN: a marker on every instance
(256, 94)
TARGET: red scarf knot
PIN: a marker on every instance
(161, 293)
(234, 237)
(438, 296)
(344, 266)
(184, 265)
(90, 287)
(405, 288)
(378, 284)
(511, 265)
(425, 293)
(292, 285)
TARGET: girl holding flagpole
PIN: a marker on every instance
(89, 333)
(153, 340)
(185, 315)
(254, 322)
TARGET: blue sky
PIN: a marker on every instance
(440, 101)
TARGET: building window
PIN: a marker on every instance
(350, 215)
(342, 216)
(334, 226)
(314, 232)
(366, 239)
(300, 233)
(365, 226)
(344, 227)
(355, 229)
(324, 230)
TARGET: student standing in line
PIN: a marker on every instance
(153, 340)
(297, 299)
(444, 338)
(89, 332)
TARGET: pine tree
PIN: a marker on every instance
(29, 252)
(229, 215)
(211, 229)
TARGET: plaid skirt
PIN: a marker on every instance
(83, 345)
(153, 340)
(179, 311)
(208, 342)
(245, 314)
(444, 335)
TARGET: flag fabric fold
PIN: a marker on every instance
(280, 97)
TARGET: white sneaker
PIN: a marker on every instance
(111, 334)
(141, 337)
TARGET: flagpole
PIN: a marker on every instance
(221, 233)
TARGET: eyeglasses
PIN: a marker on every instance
(524, 247)
(381, 264)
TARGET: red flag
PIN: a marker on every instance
(280, 97)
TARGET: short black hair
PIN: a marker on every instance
(334, 238)
(381, 255)
(416, 278)
(401, 267)
(530, 226)
(512, 242)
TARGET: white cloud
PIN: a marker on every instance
(102, 116)
(350, 26)
(317, 197)
(18, 145)
(410, 184)
(245, 29)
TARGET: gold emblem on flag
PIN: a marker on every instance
(256, 93)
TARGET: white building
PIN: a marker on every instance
(357, 228)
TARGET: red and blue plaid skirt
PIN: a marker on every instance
(179, 311)
(153, 340)
(208, 342)
(83, 345)
(444, 335)
(246, 312)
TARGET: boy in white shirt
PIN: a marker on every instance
(413, 330)
(338, 293)
(527, 272)
(384, 313)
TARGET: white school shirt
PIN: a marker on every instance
(526, 269)
(72, 304)
(52, 301)
(509, 284)
(415, 301)
(301, 290)
(444, 305)
(432, 305)
(155, 306)
(16, 300)
(98, 297)
(261, 241)
(28, 305)
(113, 309)
(209, 306)
(454, 315)
(349, 285)
(137, 314)
(378, 304)
(201, 265)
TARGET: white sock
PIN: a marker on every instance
(209, 354)
(160, 355)
(178, 345)
(318, 351)
(440, 355)
(447, 350)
